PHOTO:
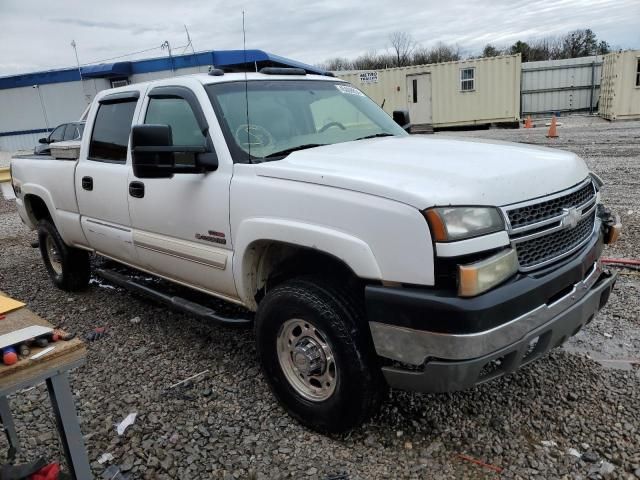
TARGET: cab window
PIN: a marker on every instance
(110, 135)
(185, 131)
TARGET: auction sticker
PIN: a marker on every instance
(349, 90)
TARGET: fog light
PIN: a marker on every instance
(478, 277)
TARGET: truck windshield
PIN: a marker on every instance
(289, 115)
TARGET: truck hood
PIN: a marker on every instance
(434, 171)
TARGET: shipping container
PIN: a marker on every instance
(468, 92)
(620, 86)
(553, 86)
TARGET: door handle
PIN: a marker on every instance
(136, 189)
(87, 183)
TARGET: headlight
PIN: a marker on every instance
(456, 223)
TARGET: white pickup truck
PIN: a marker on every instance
(370, 257)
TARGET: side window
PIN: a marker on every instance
(467, 79)
(110, 136)
(58, 134)
(185, 131)
(71, 132)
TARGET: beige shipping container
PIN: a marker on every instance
(467, 92)
(620, 86)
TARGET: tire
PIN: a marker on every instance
(349, 392)
(68, 267)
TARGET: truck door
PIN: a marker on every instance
(101, 178)
(181, 224)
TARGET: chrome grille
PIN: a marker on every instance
(541, 249)
(529, 214)
(548, 229)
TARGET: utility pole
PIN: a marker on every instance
(44, 110)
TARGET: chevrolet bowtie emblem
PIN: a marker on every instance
(571, 217)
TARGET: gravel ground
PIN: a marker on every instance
(227, 425)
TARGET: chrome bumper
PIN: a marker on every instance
(413, 347)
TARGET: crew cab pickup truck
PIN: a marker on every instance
(369, 258)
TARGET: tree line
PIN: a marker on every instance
(404, 51)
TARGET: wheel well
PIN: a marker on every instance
(36, 208)
(269, 263)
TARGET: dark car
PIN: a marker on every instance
(62, 133)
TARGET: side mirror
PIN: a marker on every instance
(43, 140)
(151, 151)
(154, 155)
(401, 117)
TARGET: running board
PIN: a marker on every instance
(178, 303)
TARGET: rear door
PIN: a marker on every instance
(181, 224)
(101, 178)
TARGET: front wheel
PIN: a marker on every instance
(317, 355)
(68, 267)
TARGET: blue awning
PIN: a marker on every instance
(107, 70)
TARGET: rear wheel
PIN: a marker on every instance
(68, 267)
(317, 354)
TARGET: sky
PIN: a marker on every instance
(36, 34)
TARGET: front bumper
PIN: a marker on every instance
(433, 358)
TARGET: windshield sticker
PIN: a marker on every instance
(348, 89)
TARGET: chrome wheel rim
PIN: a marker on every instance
(307, 360)
(54, 255)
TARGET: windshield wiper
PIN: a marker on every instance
(376, 135)
(287, 151)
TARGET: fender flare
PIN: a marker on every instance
(43, 194)
(352, 251)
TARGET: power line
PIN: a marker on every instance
(129, 54)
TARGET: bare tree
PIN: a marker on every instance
(437, 54)
(337, 64)
(402, 45)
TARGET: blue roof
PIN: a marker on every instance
(227, 59)
(107, 70)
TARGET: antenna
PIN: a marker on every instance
(246, 85)
(189, 44)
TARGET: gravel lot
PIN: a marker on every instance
(227, 425)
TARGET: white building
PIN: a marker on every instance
(32, 104)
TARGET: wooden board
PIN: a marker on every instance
(62, 355)
(8, 304)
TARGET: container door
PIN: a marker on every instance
(419, 98)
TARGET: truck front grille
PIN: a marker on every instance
(546, 230)
(529, 214)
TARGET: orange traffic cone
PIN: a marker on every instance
(553, 131)
(528, 123)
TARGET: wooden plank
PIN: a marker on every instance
(8, 304)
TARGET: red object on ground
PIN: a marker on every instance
(9, 356)
(2, 317)
(50, 472)
(620, 261)
(480, 462)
